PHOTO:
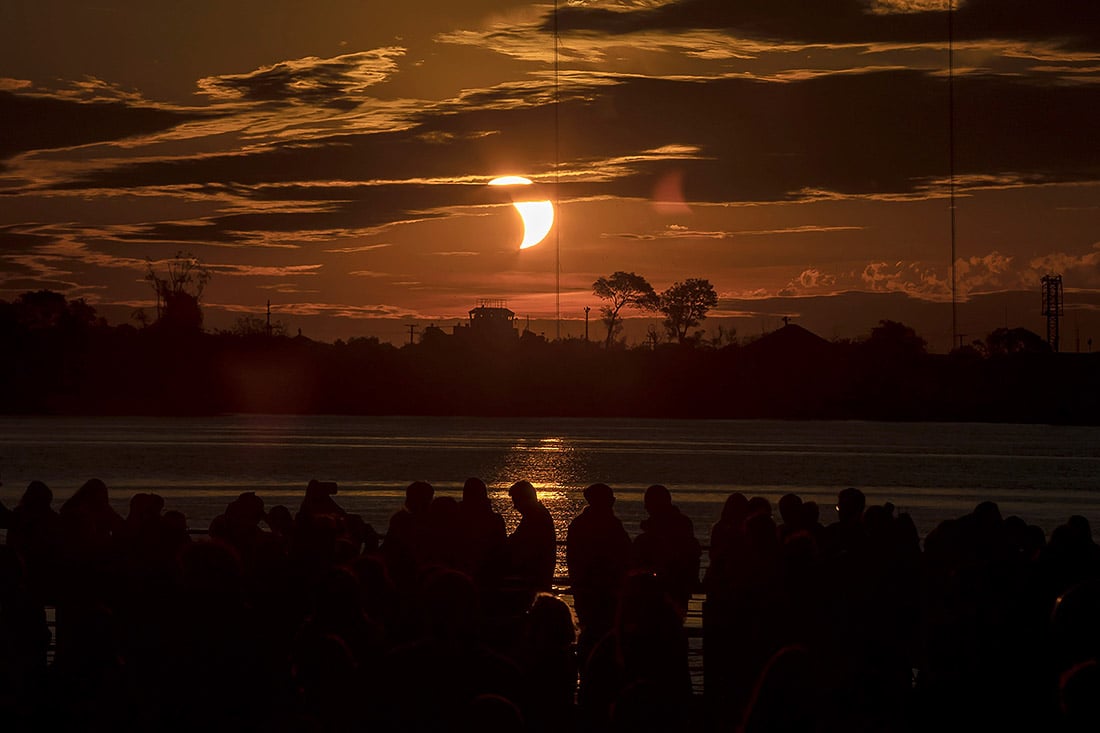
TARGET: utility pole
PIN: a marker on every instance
(412, 332)
(267, 328)
(586, 309)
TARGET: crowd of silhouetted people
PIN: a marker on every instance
(312, 621)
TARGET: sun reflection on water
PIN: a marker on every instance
(557, 470)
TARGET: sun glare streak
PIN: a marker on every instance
(537, 216)
(510, 181)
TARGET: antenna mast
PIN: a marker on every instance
(951, 156)
(557, 184)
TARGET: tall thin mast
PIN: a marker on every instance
(557, 182)
(951, 171)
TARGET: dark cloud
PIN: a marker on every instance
(13, 240)
(880, 133)
(39, 122)
(1074, 23)
(334, 82)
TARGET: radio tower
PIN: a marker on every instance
(1053, 308)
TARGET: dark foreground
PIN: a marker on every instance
(311, 622)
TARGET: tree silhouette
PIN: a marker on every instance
(895, 340)
(179, 293)
(623, 290)
(1004, 341)
(685, 304)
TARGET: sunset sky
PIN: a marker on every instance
(333, 157)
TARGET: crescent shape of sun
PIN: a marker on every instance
(537, 216)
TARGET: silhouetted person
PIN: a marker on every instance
(667, 546)
(444, 533)
(406, 545)
(318, 499)
(598, 553)
(216, 671)
(727, 544)
(647, 646)
(89, 522)
(722, 627)
(788, 696)
(790, 510)
(430, 682)
(532, 547)
(34, 531)
(281, 521)
(846, 535)
(546, 655)
(484, 535)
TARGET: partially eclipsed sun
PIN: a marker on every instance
(537, 216)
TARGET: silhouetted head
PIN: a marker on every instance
(280, 520)
(550, 623)
(599, 496)
(144, 507)
(657, 499)
(523, 495)
(92, 493)
(176, 522)
(878, 523)
(759, 505)
(449, 604)
(987, 514)
(443, 510)
(850, 504)
(1081, 529)
(37, 496)
(760, 530)
(315, 488)
(790, 509)
(811, 513)
(418, 497)
(475, 493)
(246, 509)
(735, 508)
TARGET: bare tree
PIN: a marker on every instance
(179, 293)
(622, 290)
(685, 304)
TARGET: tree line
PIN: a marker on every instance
(62, 358)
